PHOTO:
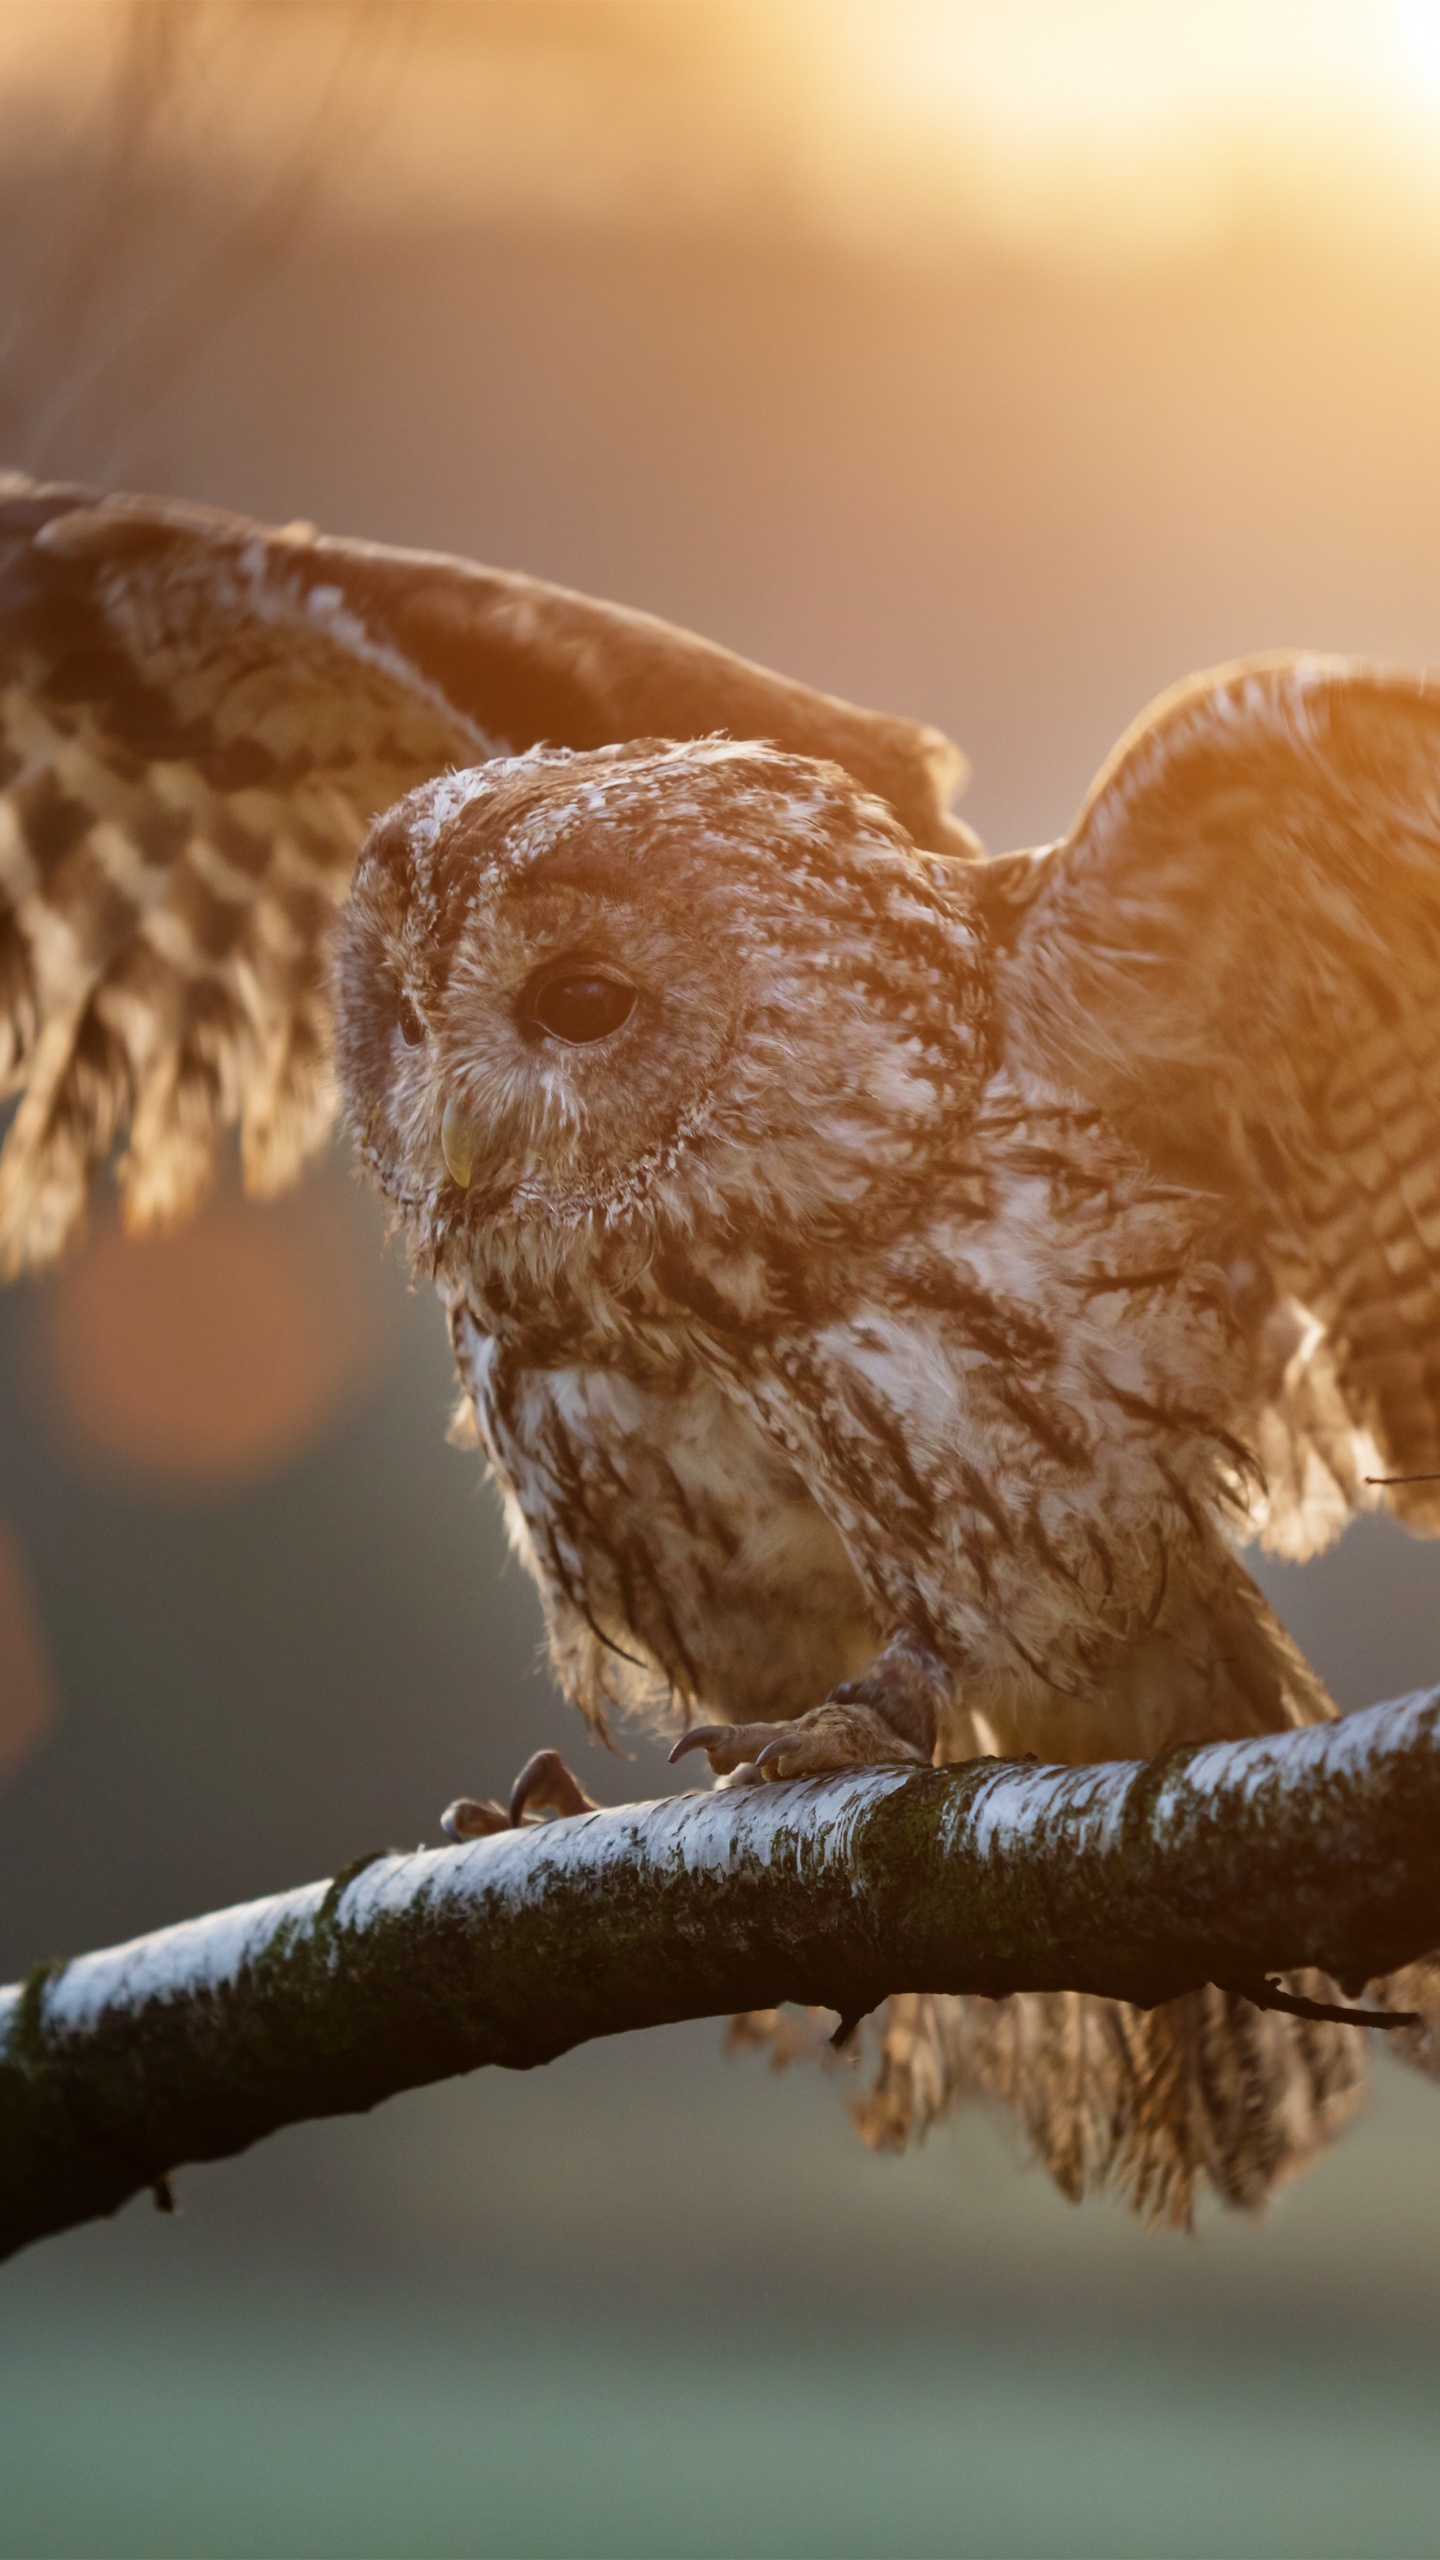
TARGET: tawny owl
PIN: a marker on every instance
(886, 1283)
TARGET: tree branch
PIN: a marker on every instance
(1223, 1862)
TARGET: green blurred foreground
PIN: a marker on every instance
(330, 2425)
(918, 2357)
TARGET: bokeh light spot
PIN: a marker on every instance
(216, 1356)
(29, 1692)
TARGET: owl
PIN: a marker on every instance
(888, 1284)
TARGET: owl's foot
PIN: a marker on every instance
(544, 1785)
(732, 1750)
(889, 1714)
(468, 1818)
(846, 1733)
(843, 1734)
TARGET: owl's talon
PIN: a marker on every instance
(699, 1738)
(546, 1783)
(844, 1733)
(727, 1747)
(466, 1819)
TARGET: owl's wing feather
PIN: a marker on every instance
(1236, 955)
(199, 718)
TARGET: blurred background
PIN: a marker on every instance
(985, 360)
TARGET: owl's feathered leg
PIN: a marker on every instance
(892, 1713)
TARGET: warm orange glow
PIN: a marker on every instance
(1072, 127)
(28, 1692)
(214, 1356)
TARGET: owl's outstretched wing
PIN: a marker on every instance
(199, 718)
(1236, 955)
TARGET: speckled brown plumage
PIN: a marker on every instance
(884, 1326)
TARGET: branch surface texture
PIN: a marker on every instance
(1221, 1862)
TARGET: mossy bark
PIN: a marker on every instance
(1216, 1863)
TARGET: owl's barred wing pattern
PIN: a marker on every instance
(1158, 2106)
(1203, 2097)
(199, 719)
(1236, 955)
(192, 753)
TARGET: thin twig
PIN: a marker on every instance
(1273, 1995)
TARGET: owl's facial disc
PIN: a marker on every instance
(604, 995)
(572, 1004)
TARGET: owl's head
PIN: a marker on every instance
(658, 990)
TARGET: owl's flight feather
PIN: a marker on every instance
(1236, 956)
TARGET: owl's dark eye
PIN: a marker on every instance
(580, 1006)
(408, 1022)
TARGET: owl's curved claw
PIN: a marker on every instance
(727, 1747)
(546, 1783)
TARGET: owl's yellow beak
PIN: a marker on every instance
(457, 1144)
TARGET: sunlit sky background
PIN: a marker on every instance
(1075, 128)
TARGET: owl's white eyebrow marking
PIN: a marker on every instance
(445, 800)
(595, 872)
